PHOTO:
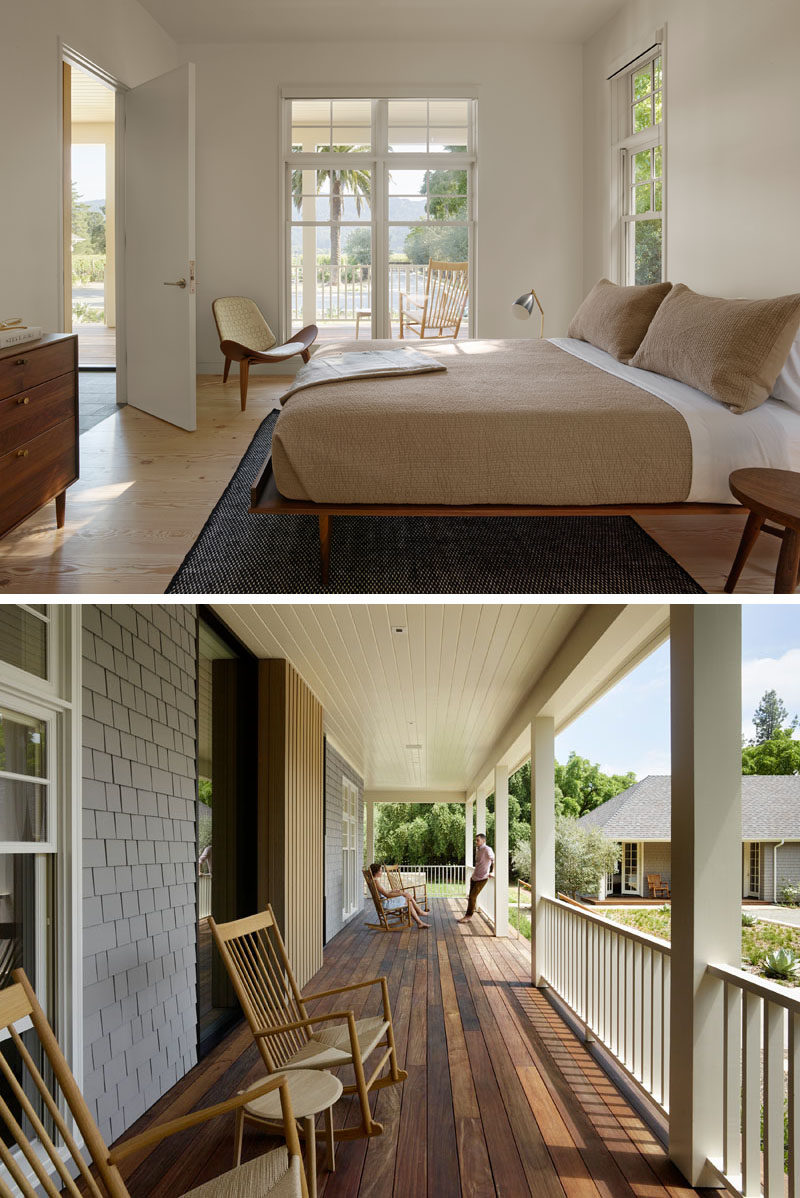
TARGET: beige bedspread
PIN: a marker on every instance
(510, 422)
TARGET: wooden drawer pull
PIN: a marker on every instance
(23, 399)
(21, 362)
(22, 453)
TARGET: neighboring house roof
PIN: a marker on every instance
(770, 809)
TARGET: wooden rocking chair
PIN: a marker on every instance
(388, 921)
(287, 1036)
(441, 311)
(657, 886)
(396, 883)
(33, 1115)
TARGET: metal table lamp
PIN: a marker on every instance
(523, 308)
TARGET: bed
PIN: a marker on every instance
(514, 427)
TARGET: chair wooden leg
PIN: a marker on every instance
(749, 537)
(330, 1163)
(325, 546)
(244, 375)
(788, 563)
(226, 370)
(305, 354)
(238, 1133)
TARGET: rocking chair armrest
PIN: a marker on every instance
(342, 989)
(411, 299)
(261, 1033)
(160, 1132)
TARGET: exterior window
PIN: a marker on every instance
(375, 189)
(631, 868)
(350, 888)
(642, 168)
(24, 637)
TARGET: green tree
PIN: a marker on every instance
(581, 786)
(358, 247)
(582, 857)
(356, 181)
(448, 243)
(769, 717)
(80, 222)
(419, 833)
(778, 755)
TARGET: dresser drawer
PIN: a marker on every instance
(28, 367)
(36, 472)
(34, 411)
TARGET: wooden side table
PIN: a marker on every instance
(769, 495)
(311, 1091)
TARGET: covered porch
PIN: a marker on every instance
(501, 1097)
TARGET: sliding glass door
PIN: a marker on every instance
(376, 190)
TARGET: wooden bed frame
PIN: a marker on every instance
(266, 498)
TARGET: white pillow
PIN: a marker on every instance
(787, 384)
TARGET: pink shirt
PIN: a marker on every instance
(483, 863)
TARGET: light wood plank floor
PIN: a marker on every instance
(146, 489)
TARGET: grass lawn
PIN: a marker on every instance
(757, 941)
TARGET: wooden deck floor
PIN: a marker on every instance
(500, 1098)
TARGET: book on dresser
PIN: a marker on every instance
(38, 426)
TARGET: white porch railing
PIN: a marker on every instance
(616, 980)
(203, 895)
(342, 291)
(760, 1105)
(443, 881)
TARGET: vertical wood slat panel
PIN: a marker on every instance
(290, 802)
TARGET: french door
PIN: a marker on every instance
(374, 189)
(630, 868)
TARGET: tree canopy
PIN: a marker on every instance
(582, 857)
(582, 786)
(780, 754)
(769, 717)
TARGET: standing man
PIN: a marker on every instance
(484, 864)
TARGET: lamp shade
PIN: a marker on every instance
(523, 307)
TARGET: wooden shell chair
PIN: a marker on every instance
(49, 1154)
(441, 311)
(255, 957)
(245, 337)
(396, 920)
(417, 890)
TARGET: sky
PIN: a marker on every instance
(628, 729)
(89, 171)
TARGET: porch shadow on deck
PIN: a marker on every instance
(501, 1097)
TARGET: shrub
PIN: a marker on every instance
(782, 963)
(88, 268)
(521, 860)
(84, 313)
(790, 895)
(583, 856)
(748, 921)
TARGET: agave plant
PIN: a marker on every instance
(748, 921)
(781, 963)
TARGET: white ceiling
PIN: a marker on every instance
(449, 682)
(362, 20)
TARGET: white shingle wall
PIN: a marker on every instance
(139, 838)
(335, 768)
(656, 860)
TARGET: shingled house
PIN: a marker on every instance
(639, 818)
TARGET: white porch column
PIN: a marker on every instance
(369, 836)
(501, 849)
(480, 812)
(543, 836)
(705, 667)
(469, 832)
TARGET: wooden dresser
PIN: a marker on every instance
(38, 426)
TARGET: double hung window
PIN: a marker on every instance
(640, 114)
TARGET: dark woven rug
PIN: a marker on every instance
(240, 554)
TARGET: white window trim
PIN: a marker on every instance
(625, 144)
(350, 814)
(60, 697)
(379, 160)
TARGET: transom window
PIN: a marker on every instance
(375, 190)
(641, 146)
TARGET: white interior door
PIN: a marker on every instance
(160, 246)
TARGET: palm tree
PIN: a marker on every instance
(356, 180)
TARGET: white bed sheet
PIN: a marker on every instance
(722, 441)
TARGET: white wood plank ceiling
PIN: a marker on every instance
(442, 677)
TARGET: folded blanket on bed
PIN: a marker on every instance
(361, 364)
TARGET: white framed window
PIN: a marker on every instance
(639, 115)
(630, 867)
(40, 822)
(350, 855)
(374, 188)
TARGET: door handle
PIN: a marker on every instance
(179, 283)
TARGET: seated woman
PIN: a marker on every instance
(394, 900)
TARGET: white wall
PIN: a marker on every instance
(117, 35)
(733, 142)
(529, 216)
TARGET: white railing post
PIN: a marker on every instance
(501, 849)
(543, 836)
(469, 834)
(705, 665)
(369, 834)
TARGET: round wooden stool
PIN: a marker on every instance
(769, 495)
(311, 1091)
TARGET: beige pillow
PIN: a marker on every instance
(616, 318)
(731, 349)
